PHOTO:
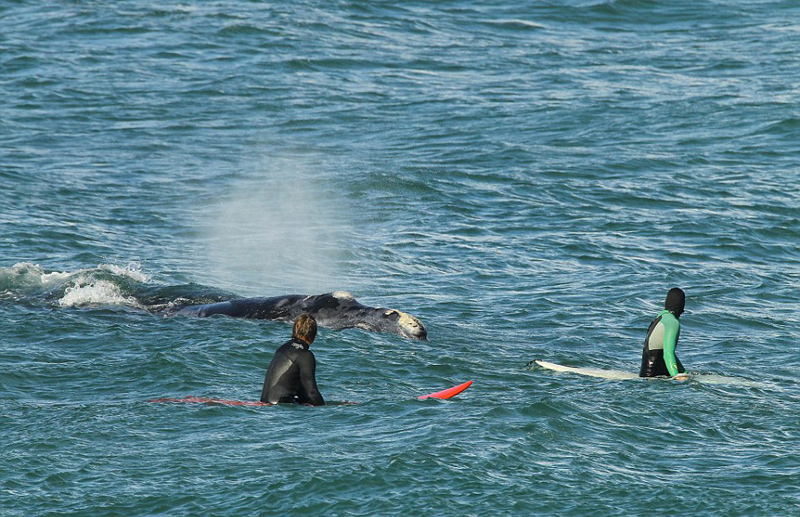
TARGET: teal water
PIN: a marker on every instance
(528, 180)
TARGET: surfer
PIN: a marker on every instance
(658, 356)
(291, 376)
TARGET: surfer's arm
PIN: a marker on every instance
(308, 380)
(671, 330)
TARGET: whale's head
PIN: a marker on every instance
(406, 325)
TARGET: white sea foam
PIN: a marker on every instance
(86, 291)
(28, 273)
(31, 275)
(83, 287)
(132, 271)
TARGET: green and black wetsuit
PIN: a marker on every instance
(658, 356)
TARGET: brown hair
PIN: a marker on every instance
(305, 328)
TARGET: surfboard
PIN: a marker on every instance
(444, 394)
(619, 375)
(448, 393)
(616, 375)
(201, 400)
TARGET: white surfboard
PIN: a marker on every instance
(618, 375)
(615, 375)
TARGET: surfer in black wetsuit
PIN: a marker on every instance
(658, 356)
(291, 376)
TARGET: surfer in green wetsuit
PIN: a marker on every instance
(658, 356)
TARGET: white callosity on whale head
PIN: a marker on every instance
(343, 295)
(409, 324)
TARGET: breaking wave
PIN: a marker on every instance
(104, 285)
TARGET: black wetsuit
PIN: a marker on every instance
(291, 376)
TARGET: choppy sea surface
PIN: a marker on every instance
(527, 178)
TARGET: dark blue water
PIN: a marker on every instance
(528, 180)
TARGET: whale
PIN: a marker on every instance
(336, 310)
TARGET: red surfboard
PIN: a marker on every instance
(444, 394)
(201, 400)
(448, 393)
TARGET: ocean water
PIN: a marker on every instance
(527, 178)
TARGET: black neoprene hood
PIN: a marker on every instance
(676, 301)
